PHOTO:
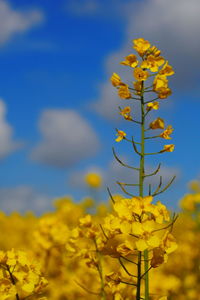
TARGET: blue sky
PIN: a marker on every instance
(56, 60)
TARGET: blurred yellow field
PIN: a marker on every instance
(70, 271)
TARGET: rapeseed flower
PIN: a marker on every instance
(120, 135)
(157, 124)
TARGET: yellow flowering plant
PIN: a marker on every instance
(145, 226)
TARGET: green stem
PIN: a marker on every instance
(100, 271)
(139, 276)
(141, 186)
(146, 276)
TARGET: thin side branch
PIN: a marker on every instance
(124, 190)
(135, 148)
(131, 120)
(137, 143)
(128, 184)
(149, 189)
(145, 272)
(125, 269)
(151, 100)
(137, 122)
(154, 173)
(103, 231)
(122, 163)
(153, 153)
(175, 217)
(125, 282)
(151, 137)
(132, 262)
(159, 186)
(165, 188)
(111, 196)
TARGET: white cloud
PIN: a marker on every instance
(13, 21)
(67, 138)
(7, 144)
(173, 26)
(83, 7)
(112, 9)
(22, 199)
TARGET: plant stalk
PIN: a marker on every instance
(139, 276)
(141, 185)
(100, 271)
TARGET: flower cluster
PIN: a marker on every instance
(140, 220)
(150, 64)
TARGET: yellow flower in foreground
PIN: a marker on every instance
(130, 60)
(141, 46)
(93, 179)
(120, 135)
(140, 74)
(115, 79)
(146, 239)
(152, 105)
(166, 133)
(124, 92)
(157, 124)
(168, 148)
(126, 208)
(125, 112)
